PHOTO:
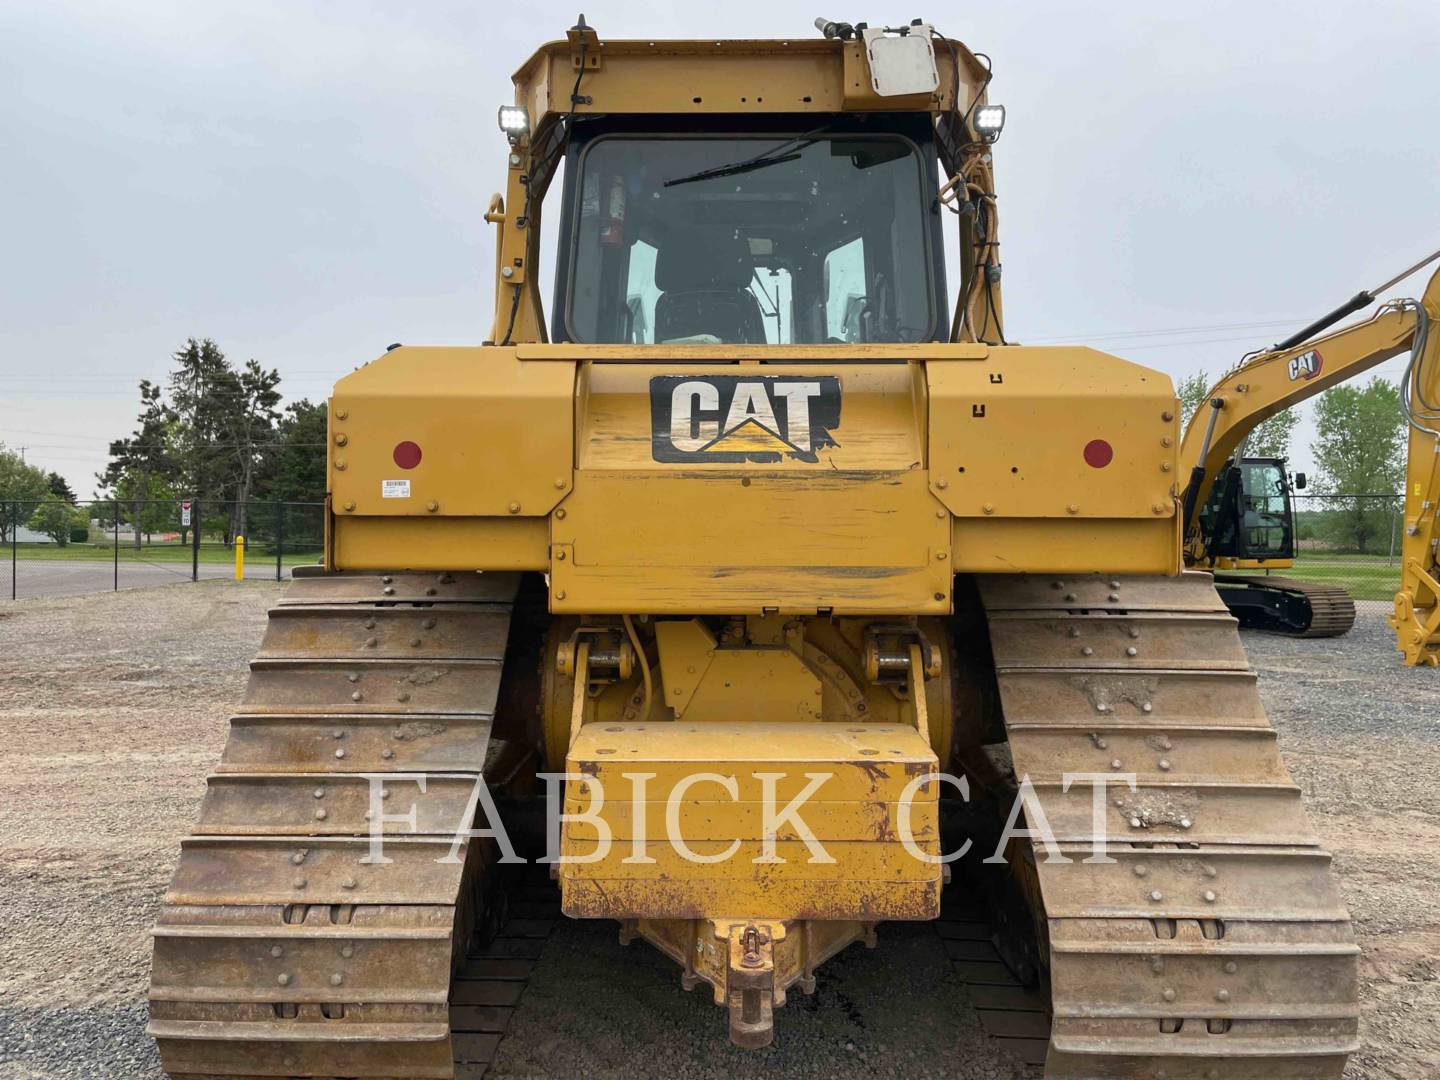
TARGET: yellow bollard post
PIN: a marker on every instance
(239, 558)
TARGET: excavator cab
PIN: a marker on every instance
(1248, 524)
(1250, 514)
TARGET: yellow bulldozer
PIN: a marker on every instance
(756, 554)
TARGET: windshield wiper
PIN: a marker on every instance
(734, 169)
(789, 150)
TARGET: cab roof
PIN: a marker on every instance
(809, 75)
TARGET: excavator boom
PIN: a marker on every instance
(1284, 376)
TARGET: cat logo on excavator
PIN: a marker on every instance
(729, 418)
(1306, 366)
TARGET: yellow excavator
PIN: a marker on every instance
(764, 538)
(1238, 510)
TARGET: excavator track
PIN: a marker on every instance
(281, 948)
(1215, 944)
(1288, 606)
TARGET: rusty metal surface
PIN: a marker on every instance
(1183, 698)
(390, 687)
(1164, 640)
(286, 1049)
(313, 585)
(844, 900)
(1192, 591)
(1179, 814)
(284, 949)
(1192, 754)
(263, 804)
(1277, 884)
(301, 967)
(344, 632)
(371, 743)
(1213, 940)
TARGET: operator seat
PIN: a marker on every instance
(704, 278)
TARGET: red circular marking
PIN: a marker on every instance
(1098, 453)
(407, 454)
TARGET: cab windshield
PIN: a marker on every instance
(750, 240)
(1265, 520)
(1247, 514)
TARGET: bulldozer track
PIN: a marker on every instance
(491, 984)
(1015, 1017)
(1332, 608)
(1215, 944)
(281, 949)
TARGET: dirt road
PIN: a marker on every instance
(113, 706)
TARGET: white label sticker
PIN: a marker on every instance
(394, 489)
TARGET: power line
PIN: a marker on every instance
(1168, 330)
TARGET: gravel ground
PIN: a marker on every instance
(113, 707)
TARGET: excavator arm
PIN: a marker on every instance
(1297, 370)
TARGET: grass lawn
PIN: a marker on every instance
(1363, 577)
(161, 553)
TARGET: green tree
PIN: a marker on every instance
(19, 484)
(1271, 438)
(59, 487)
(56, 518)
(251, 431)
(199, 396)
(143, 466)
(226, 424)
(152, 507)
(295, 471)
(1191, 391)
(1359, 448)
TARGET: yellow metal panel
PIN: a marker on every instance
(774, 897)
(772, 683)
(737, 542)
(703, 682)
(853, 530)
(495, 435)
(807, 75)
(848, 859)
(767, 355)
(867, 768)
(1009, 438)
(440, 543)
(827, 820)
(1250, 564)
(990, 545)
(881, 418)
(685, 646)
(864, 762)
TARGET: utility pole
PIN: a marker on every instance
(22, 450)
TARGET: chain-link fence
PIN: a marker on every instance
(52, 547)
(1352, 541)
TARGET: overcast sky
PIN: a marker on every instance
(305, 182)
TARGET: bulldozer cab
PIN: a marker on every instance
(1250, 513)
(746, 230)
